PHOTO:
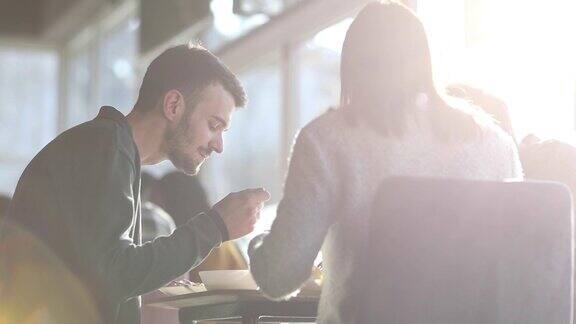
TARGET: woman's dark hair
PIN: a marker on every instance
(386, 67)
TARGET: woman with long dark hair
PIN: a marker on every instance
(392, 121)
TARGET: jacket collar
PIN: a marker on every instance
(108, 112)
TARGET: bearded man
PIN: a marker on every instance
(79, 198)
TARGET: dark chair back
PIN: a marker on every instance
(455, 251)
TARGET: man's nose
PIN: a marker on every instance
(217, 145)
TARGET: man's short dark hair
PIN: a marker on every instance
(187, 68)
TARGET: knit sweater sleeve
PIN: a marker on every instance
(282, 260)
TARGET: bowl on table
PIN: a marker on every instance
(228, 280)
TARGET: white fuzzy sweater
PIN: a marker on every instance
(334, 173)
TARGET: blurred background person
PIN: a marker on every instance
(489, 103)
(392, 122)
(155, 221)
(549, 160)
(183, 197)
(171, 201)
(543, 159)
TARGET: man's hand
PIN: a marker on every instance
(240, 210)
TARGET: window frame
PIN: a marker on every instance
(90, 39)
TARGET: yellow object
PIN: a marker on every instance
(226, 257)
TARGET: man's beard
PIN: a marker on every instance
(177, 141)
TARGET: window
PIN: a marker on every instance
(28, 107)
(79, 87)
(252, 146)
(117, 56)
(101, 64)
(227, 25)
(318, 61)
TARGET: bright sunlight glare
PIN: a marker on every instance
(522, 51)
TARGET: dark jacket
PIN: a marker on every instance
(81, 197)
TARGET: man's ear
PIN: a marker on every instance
(173, 105)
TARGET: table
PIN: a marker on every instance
(246, 306)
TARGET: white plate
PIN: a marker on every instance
(182, 287)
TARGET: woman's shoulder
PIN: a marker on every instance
(321, 134)
(331, 121)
